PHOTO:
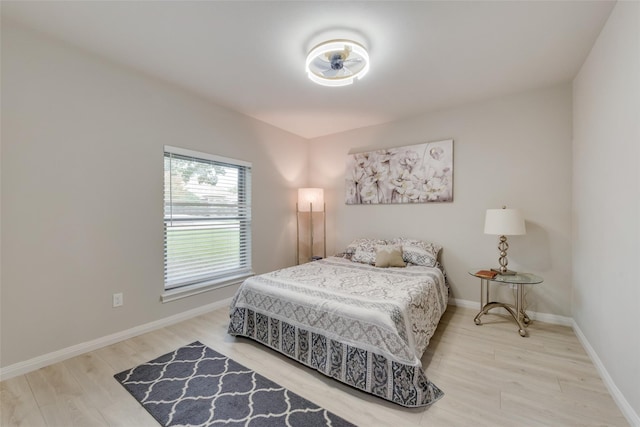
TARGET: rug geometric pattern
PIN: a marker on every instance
(196, 386)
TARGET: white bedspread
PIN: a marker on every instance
(388, 311)
(365, 326)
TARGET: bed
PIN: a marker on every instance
(363, 325)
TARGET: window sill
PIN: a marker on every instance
(187, 291)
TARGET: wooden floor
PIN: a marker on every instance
(490, 375)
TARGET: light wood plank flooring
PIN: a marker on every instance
(490, 375)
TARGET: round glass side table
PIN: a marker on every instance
(517, 311)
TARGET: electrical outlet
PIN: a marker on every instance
(118, 299)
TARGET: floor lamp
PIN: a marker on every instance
(310, 200)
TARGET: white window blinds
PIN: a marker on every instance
(207, 218)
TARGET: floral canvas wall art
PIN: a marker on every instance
(419, 173)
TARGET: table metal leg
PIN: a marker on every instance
(484, 299)
(486, 287)
(516, 312)
(519, 305)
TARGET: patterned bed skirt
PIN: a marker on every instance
(373, 373)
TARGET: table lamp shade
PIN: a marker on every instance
(504, 222)
(308, 197)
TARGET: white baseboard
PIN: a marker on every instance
(623, 404)
(542, 317)
(30, 365)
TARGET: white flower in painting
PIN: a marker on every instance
(378, 173)
(351, 192)
(362, 160)
(383, 157)
(369, 192)
(437, 189)
(401, 183)
(436, 153)
(409, 160)
(358, 166)
(413, 195)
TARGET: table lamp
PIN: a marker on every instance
(504, 222)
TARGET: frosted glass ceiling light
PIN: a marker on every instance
(337, 63)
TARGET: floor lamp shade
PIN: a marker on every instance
(310, 198)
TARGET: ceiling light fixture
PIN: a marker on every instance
(337, 63)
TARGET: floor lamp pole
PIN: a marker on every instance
(311, 231)
(297, 235)
(324, 229)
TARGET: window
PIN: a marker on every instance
(207, 222)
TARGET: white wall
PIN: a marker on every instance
(515, 151)
(82, 176)
(606, 200)
(81, 192)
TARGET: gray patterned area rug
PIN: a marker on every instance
(196, 386)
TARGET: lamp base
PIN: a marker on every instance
(505, 273)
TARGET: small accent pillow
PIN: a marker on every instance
(418, 252)
(364, 256)
(389, 256)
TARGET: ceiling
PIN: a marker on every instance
(249, 56)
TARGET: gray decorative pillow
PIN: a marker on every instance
(389, 256)
(364, 256)
(364, 243)
(418, 252)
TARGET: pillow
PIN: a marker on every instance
(418, 252)
(364, 243)
(364, 256)
(389, 256)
